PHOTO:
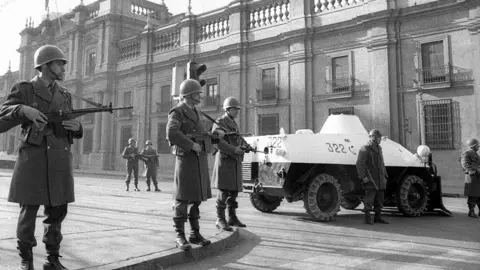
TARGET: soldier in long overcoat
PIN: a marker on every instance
(471, 165)
(43, 172)
(130, 153)
(227, 171)
(371, 169)
(150, 158)
(191, 180)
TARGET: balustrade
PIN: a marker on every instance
(93, 11)
(129, 51)
(272, 13)
(328, 5)
(166, 41)
(143, 11)
(213, 29)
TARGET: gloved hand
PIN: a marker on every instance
(365, 180)
(239, 151)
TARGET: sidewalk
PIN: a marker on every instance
(109, 228)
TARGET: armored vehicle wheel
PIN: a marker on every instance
(350, 203)
(323, 197)
(265, 203)
(412, 196)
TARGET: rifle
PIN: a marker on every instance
(371, 179)
(35, 135)
(205, 140)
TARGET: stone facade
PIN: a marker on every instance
(291, 62)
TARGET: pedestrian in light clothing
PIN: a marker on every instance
(150, 157)
(227, 171)
(130, 153)
(371, 169)
(471, 165)
(43, 173)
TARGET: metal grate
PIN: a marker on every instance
(341, 110)
(247, 167)
(439, 123)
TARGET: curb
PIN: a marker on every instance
(173, 256)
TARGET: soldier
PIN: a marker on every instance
(43, 172)
(130, 153)
(191, 179)
(371, 169)
(151, 161)
(227, 171)
(471, 165)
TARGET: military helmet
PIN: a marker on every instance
(472, 143)
(148, 142)
(189, 86)
(375, 133)
(131, 140)
(47, 54)
(231, 102)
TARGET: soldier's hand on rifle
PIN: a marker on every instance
(196, 147)
(239, 151)
(73, 125)
(34, 115)
(220, 133)
(366, 180)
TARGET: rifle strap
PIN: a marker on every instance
(213, 120)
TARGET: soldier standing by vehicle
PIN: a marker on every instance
(371, 169)
(227, 171)
(130, 153)
(191, 179)
(151, 161)
(43, 173)
(471, 165)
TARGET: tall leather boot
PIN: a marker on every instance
(26, 256)
(195, 236)
(180, 241)
(378, 218)
(221, 223)
(128, 185)
(136, 188)
(156, 186)
(52, 263)
(368, 218)
(233, 219)
(471, 212)
(148, 186)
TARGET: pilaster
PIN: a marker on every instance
(97, 124)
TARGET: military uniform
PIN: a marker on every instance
(152, 165)
(43, 174)
(132, 165)
(471, 165)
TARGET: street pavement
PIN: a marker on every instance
(109, 228)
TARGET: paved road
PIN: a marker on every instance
(289, 239)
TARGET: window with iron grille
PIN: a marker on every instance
(268, 83)
(341, 110)
(125, 134)
(127, 101)
(89, 118)
(340, 74)
(87, 140)
(92, 60)
(166, 99)
(433, 67)
(269, 124)
(162, 143)
(212, 92)
(439, 124)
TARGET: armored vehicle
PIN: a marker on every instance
(320, 170)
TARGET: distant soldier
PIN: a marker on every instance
(371, 169)
(227, 171)
(471, 165)
(130, 153)
(150, 157)
(191, 179)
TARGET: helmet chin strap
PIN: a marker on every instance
(56, 75)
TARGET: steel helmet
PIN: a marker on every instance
(472, 143)
(148, 142)
(231, 102)
(46, 54)
(189, 87)
(131, 140)
(375, 133)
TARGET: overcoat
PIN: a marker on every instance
(227, 170)
(43, 174)
(370, 158)
(471, 165)
(191, 177)
(152, 162)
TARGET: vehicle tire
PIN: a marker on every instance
(350, 203)
(323, 197)
(265, 203)
(412, 196)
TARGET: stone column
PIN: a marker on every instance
(475, 49)
(299, 113)
(98, 124)
(105, 126)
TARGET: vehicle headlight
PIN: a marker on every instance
(423, 152)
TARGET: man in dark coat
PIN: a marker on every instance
(150, 157)
(186, 134)
(471, 165)
(43, 173)
(227, 171)
(371, 169)
(130, 153)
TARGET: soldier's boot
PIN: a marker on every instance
(471, 212)
(136, 188)
(53, 263)
(221, 223)
(181, 242)
(128, 185)
(368, 218)
(148, 187)
(233, 219)
(26, 256)
(195, 236)
(378, 218)
(156, 186)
